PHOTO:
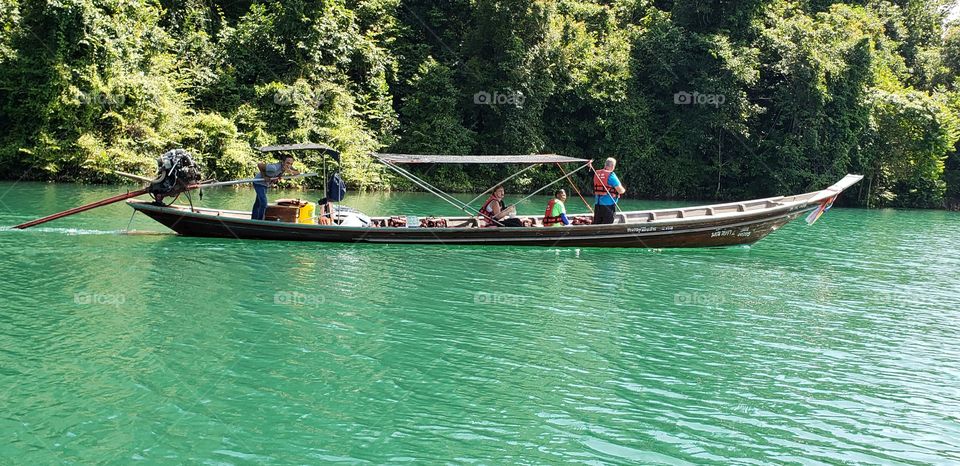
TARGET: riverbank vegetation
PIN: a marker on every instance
(698, 100)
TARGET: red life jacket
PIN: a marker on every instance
(600, 184)
(488, 214)
(548, 219)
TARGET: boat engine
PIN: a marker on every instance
(176, 172)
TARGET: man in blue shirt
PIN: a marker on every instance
(267, 175)
(607, 190)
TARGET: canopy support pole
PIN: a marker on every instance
(549, 185)
(574, 186)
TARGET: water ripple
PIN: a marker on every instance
(823, 344)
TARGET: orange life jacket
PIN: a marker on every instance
(601, 186)
(548, 219)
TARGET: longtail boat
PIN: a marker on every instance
(714, 225)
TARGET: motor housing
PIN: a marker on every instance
(176, 172)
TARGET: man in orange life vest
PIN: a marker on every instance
(556, 213)
(607, 189)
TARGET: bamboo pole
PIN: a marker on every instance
(574, 186)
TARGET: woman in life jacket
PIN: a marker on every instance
(497, 213)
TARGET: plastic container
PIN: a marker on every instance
(307, 213)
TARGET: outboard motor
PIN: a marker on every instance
(176, 171)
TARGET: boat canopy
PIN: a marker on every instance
(392, 161)
(304, 146)
(476, 159)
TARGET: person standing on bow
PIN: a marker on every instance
(607, 189)
(267, 176)
(556, 213)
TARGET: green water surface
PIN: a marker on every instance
(835, 343)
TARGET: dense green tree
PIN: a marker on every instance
(909, 133)
(87, 89)
(696, 99)
(9, 21)
(433, 113)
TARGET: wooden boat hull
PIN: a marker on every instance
(716, 225)
(744, 230)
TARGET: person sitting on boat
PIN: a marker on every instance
(267, 175)
(324, 212)
(556, 213)
(497, 213)
(607, 189)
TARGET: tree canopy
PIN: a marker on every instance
(698, 100)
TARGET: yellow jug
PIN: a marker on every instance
(307, 213)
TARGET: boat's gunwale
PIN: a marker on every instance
(616, 235)
(773, 210)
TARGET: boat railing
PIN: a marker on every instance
(693, 212)
(683, 214)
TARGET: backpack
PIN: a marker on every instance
(336, 188)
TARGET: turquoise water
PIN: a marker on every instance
(834, 343)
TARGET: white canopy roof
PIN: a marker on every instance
(476, 159)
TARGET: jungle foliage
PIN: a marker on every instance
(697, 100)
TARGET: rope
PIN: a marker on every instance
(616, 204)
(442, 195)
(502, 182)
(131, 220)
(433, 189)
(551, 184)
(575, 188)
(430, 188)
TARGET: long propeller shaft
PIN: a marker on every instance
(83, 208)
(121, 197)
